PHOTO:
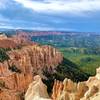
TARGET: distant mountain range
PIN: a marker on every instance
(41, 33)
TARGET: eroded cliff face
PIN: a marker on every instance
(17, 72)
(14, 41)
(94, 87)
(37, 90)
(66, 90)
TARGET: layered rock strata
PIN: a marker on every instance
(17, 72)
(66, 90)
(37, 90)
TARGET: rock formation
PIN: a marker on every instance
(37, 90)
(94, 87)
(61, 91)
(17, 72)
(68, 90)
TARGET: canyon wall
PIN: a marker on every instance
(37, 90)
(27, 59)
(66, 90)
(17, 72)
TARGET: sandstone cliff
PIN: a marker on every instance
(66, 90)
(14, 41)
(37, 90)
(17, 72)
(94, 87)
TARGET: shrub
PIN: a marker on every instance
(3, 55)
(13, 68)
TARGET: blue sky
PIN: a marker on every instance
(60, 15)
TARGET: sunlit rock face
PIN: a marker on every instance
(32, 59)
(94, 87)
(98, 74)
(17, 73)
(37, 90)
(68, 90)
(6, 94)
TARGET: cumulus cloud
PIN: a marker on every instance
(50, 14)
(61, 6)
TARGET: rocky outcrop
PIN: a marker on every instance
(6, 94)
(6, 43)
(94, 87)
(35, 58)
(68, 90)
(17, 72)
(37, 90)
(15, 41)
(61, 91)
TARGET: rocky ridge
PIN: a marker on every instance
(27, 59)
(17, 72)
(66, 90)
(37, 90)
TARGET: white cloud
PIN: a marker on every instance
(62, 6)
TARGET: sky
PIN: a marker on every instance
(55, 15)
